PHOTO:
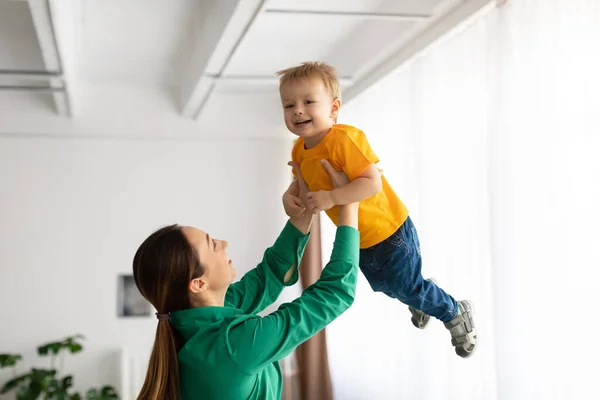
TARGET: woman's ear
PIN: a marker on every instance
(197, 285)
(335, 107)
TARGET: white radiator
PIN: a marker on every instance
(134, 364)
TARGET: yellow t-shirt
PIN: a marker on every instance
(348, 150)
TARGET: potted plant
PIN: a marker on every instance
(47, 384)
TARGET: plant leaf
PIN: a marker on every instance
(92, 394)
(9, 360)
(51, 389)
(67, 382)
(75, 396)
(41, 375)
(43, 350)
(75, 347)
(35, 389)
(53, 347)
(23, 393)
(13, 383)
(74, 338)
(108, 392)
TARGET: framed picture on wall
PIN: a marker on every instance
(130, 302)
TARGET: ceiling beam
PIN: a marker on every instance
(377, 16)
(224, 24)
(21, 88)
(67, 22)
(30, 74)
(249, 14)
(422, 40)
(44, 29)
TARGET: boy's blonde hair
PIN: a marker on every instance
(312, 69)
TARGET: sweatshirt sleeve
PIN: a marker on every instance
(262, 285)
(254, 342)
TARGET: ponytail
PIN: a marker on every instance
(163, 266)
(162, 378)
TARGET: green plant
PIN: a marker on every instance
(47, 384)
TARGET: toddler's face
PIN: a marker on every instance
(308, 108)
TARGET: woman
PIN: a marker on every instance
(210, 344)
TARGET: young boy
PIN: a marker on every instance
(390, 254)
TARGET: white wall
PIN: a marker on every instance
(143, 111)
(75, 204)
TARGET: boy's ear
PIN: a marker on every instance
(335, 107)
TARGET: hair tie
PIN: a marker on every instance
(163, 316)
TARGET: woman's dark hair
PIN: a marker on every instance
(163, 266)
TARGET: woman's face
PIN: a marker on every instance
(219, 270)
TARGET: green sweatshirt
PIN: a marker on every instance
(232, 353)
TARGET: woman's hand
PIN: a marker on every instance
(296, 197)
(348, 214)
(292, 204)
(338, 178)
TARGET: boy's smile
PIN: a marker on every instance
(302, 123)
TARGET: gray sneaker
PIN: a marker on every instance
(462, 329)
(419, 318)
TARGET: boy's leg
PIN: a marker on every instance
(399, 260)
(419, 318)
(373, 271)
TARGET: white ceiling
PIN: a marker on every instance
(141, 40)
(204, 47)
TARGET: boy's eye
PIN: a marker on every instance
(309, 101)
(288, 106)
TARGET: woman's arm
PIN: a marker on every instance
(262, 285)
(255, 342)
(279, 268)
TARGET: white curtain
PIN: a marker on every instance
(492, 139)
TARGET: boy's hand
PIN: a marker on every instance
(325, 199)
(321, 200)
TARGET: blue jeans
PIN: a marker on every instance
(394, 268)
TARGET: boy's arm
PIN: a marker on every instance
(368, 184)
(362, 187)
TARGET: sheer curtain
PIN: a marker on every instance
(546, 172)
(492, 139)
